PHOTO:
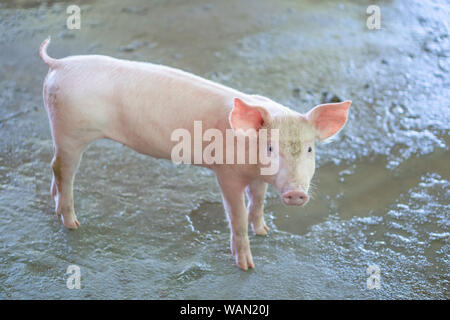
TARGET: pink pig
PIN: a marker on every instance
(140, 104)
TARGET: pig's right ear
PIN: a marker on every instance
(244, 116)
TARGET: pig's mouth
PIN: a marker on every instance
(294, 198)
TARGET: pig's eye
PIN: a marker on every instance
(270, 148)
(309, 149)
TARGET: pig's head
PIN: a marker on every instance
(295, 151)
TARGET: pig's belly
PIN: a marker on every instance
(150, 132)
(151, 140)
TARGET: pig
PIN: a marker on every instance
(138, 104)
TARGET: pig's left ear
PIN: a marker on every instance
(328, 119)
(244, 116)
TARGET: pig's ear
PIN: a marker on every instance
(328, 119)
(244, 116)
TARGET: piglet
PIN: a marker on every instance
(141, 105)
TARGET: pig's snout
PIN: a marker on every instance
(294, 198)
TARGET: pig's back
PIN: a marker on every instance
(141, 104)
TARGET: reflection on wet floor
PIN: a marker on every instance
(363, 188)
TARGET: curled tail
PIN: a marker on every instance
(44, 56)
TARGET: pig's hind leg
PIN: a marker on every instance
(256, 192)
(73, 126)
(69, 143)
(64, 165)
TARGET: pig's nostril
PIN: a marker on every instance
(295, 197)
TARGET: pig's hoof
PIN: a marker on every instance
(260, 230)
(240, 249)
(70, 222)
(244, 261)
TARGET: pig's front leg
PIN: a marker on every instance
(256, 191)
(234, 202)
